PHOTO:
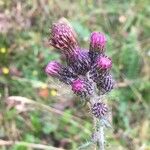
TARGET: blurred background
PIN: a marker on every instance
(47, 115)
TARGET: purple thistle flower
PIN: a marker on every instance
(106, 84)
(53, 69)
(79, 61)
(64, 74)
(97, 42)
(99, 109)
(63, 36)
(97, 45)
(83, 69)
(82, 87)
(103, 63)
(100, 69)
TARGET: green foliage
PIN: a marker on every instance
(19, 147)
(129, 57)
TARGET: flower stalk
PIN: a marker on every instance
(101, 138)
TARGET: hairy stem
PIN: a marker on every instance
(101, 138)
(97, 125)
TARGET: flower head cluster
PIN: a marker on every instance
(85, 68)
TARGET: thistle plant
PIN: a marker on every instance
(87, 72)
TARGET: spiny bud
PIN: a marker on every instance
(53, 68)
(103, 63)
(97, 42)
(99, 109)
(97, 45)
(67, 75)
(79, 62)
(64, 74)
(101, 68)
(106, 84)
(63, 36)
(82, 87)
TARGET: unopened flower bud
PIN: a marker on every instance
(99, 109)
(103, 63)
(101, 68)
(79, 61)
(64, 74)
(53, 69)
(106, 84)
(97, 44)
(82, 87)
(63, 36)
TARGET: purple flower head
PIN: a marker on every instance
(63, 73)
(63, 36)
(100, 70)
(104, 63)
(82, 87)
(106, 84)
(67, 75)
(79, 61)
(99, 109)
(97, 42)
(78, 85)
(53, 68)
